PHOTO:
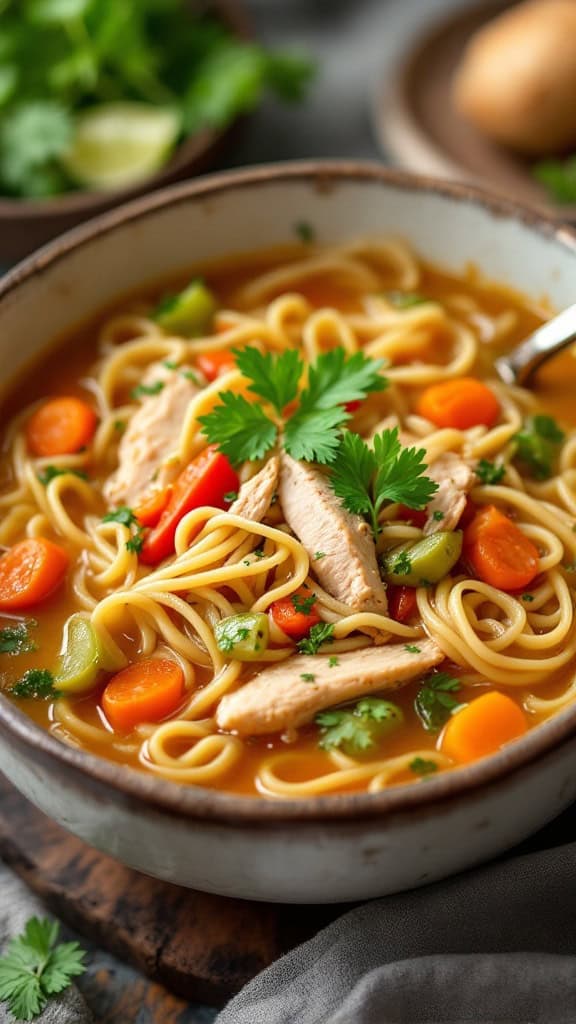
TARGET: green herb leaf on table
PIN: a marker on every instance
(435, 700)
(537, 445)
(321, 633)
(35, 967)
(365, 478)
(16, 639)
(36, 682)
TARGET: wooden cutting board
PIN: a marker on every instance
(199, 946)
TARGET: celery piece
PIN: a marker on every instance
(427, 561)
(244, 637)
(189, 312)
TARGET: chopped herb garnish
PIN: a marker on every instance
(190, 375)
(259, 552)
(528, 598)
(333, 661)
(537, 445)
(36, 682)
(412, 648)
(402, 564)
(244, 430)
(35, 967)
(16, 639)
(147, 389)
(120, 426)
(489, 473)
(321, 633)
(51, 472)
(422, 766)
(170, 364)
(307, 677)
(366, 478)
(303, 605)
(359, 728)
(126, 517)
(435, 701)
(437, 515)
(305, 232)
(405, 300)
(318, 555)
(231, 496)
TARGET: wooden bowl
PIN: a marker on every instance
(26, 224)
(415, 122)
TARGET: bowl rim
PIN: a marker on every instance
(108, 779)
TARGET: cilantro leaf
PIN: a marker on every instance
(359, 728)
(422, 766)
(489, 473)
(147, 389)
(435, 702)
(274, 378)
(335, 379)
(537, 445)
(32, 136)
(558, 178)
(35, 968)
(364, 479)
(304, 605)
(51, 472)
(321, 633)
(240, 428)
(36, 682)
(314, 436)
(16, 639)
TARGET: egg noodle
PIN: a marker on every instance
(170, 611)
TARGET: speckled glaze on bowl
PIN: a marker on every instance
(346, 847)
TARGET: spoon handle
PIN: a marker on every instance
(552, 337)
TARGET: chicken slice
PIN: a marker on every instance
(348, 569)
(151, 437)
(285, 695)
(455, 478)
(255, 496)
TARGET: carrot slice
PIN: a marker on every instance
(61, 426)
(296, 614)
(498, 552)
(30, 571)
(150, 509)
(462, 403)
(402, 603)
(482, 727)
(214, 364)
(146, 691)
(205, 481)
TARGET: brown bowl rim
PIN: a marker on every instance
(132, 787)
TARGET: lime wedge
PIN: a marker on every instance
(116, 145)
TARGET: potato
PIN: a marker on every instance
(517, 78)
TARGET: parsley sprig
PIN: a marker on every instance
(435, 700)
(36, 682)
(16, 639)
(321, 633)
(538, 444)
(489, 472)
(357, 729)
(35, 967)
(366, 478)
(245, 430)
(126, 517)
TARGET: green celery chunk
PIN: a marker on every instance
(79, 660)
(427, 561)
(189, 313)
(244, 637)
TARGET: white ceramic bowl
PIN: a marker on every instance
(324, 849)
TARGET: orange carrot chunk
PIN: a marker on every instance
(462, 403)
(60, 426)
(151, 508)
(482, 727)
(214, 364)
(205, 481)
(146, 691)
(296, 614)
(30, 571)
(498, 552)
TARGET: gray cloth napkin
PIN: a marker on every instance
(17, 904)
(493, 946)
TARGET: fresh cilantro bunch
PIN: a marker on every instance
(35, 968)
(60, 57)
(245, 430)
(366, 478)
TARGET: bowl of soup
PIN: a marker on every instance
(286, 571)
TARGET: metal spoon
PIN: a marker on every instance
(524, 360)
